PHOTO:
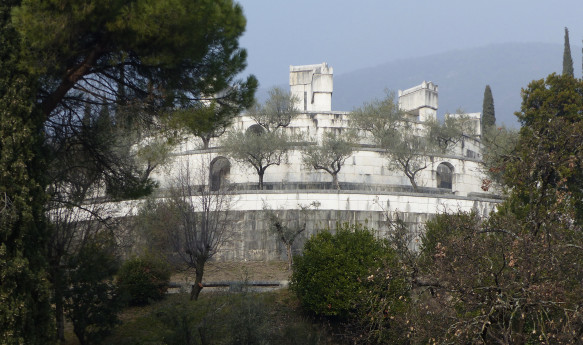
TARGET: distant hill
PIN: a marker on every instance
(461, 76)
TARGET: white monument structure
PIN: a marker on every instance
(312, 85)
(370, 191)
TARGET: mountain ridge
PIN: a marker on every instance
(461, 76)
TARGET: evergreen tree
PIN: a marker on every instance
(140, 59)
(25, 313)
(567, 60)
(488, 113)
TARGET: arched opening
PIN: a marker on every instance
(219, 173)
(255, 129)
(445, 175)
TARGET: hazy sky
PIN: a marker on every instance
(350, 35)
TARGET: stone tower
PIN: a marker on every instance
(312, 86)
(420, 102)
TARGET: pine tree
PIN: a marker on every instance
(488, 113)
(567, 60)
(25, 311)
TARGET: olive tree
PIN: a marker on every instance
(408, 145)
(258, 149)
(266, 143)
(331, 154)
(277, 112)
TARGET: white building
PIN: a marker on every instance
(370, 191)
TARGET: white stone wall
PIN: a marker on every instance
(366, 166)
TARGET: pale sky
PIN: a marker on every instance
(350, 35)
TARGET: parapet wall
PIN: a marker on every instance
(252, 240)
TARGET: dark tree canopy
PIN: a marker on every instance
(25, 313)
(136, 59)
(80, 84)
(549, 152)
(567, 59)
(163, 52)
(515, 278)
(488, 113)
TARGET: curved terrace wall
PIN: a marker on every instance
(253, 241)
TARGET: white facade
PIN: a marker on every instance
(369, 189)
(367, 169)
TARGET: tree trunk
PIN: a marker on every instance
(59, 307)
(335, 181)
(197, 287)
(288, 248)
(56, 276)
(413, 183)
(205, 142)
(260, 180)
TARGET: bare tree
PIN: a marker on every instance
(288, 231)
(331, 154)
(203, 219)
(499, 150)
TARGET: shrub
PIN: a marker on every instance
(91, 302)
(143, 279)
(329, 275)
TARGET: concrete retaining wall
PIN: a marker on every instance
(252, 240)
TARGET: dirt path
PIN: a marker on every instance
(239, 271)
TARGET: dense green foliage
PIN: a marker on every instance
(137, 61)
(567, 59)
(92, 302)
(174, 51)
(25, 314)
(80, 85)
(142, 280)
(515, 278)
(328, 276)
(488, 113)
(546, 173)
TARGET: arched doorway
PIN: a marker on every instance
(445, 175)
(219, 173)
(255, 129)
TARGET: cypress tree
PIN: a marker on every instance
(488, 113)
(25, 310)
(567, 60)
